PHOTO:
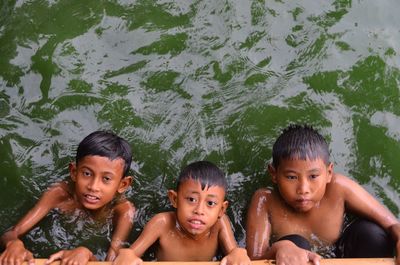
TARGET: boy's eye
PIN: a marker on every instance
(291, 177)
(211, 203)
(191, 199)
(106, 179)
(313, 176)
(87, 173)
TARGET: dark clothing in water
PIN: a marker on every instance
(361, 239)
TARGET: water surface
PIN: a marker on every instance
(190, 80)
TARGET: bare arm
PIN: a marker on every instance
(225, 236)
(359, 201)
(123, 221)
(258, 228)
(233, 254)
(15, 251)
(150, 234)
(48, 201)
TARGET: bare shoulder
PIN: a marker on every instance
(261, 197)
(125, 206)
(163, 220)
(262, 194)
(57, 193)
(342, 183)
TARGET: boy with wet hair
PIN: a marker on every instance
(197, 228)
(304, 213)
(99, 178)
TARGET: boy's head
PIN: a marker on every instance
(105, 144)
(299, 142)
(100, 172)
(199, 198)
(300, 167)
(205, 172)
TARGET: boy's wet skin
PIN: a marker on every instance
(197, 209)
(307, 205)
(305, 197)
(196, 229)
(98, 177)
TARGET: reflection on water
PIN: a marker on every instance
(189, 80)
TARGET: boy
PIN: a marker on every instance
(307, 208)
(197, 228)
(99, 176)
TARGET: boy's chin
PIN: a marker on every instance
(303, 209)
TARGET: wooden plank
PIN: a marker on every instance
(369, 261)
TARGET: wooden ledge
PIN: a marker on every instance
(369, 261)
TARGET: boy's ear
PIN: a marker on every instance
(124, 184)
(272, 172)
(173, 198)
(72, 171)
(329, 172)
(223, 209)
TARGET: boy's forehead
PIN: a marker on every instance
(105, 162)
(101, 158)
(296, 162)
(193, 184)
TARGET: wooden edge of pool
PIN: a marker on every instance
(363, 261)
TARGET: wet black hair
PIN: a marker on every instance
(106, 144)
(299, 142)
(205, 172)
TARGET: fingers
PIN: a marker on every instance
(10, 259)
(55, 256)
(29, 258)
(223, 261)
(397, 260)
(314, 258)
(111, 255)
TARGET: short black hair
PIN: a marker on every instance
(106, 144)
(205, 172)
(299, 142)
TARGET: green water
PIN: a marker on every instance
(187, 80)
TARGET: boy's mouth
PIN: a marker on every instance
(91, 198)
(196, 224)
(303, 202)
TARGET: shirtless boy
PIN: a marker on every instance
(99, 177)
(305, 210)
(197, 228)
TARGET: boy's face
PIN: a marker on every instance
(302, 183)
(197, 209)
(97, 179)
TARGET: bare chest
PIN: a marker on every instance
(321, 226)
(173, 247)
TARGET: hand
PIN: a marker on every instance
(16, 253)
(111, 254)
(287, 253)
(127, 256)
(77, 256)
(397, 257)
(238, 256)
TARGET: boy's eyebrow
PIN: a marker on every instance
(315, 170)
(198, 193)
(296, 172)
(103, 172)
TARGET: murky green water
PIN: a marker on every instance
(188, 80)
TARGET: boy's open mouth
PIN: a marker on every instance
(91, 198)
(196, 224)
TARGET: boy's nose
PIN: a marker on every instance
(303, 187)
(199, 209)
(94, 184)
